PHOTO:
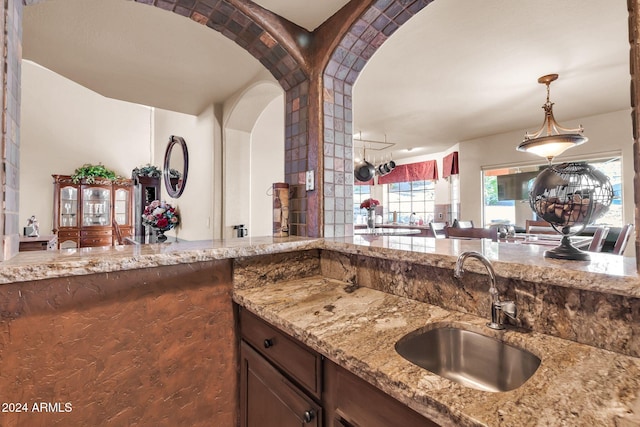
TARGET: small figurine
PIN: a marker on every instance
(35, 227)
(412, 219)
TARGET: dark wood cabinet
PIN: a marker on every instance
(269, 399)
(85, 214)
(280, 378)
(300, 363)
(146, 190)
(284, 383)
(350, 401)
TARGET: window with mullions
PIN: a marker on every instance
(360, 194)
(416, 197)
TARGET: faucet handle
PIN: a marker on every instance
(509, 309)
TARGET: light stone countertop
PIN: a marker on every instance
(37, 265)
(606, 273)
(575, 385)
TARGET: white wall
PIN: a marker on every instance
(253, 155)
(237, 182)
(63, 126)
(267, 165)
(196, 204)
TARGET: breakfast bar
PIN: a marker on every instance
(349, 300)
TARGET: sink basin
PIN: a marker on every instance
(468, 358)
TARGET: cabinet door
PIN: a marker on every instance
(68, 208)
(122, 206)
(96, 206)
(352, 402)
(268, 399)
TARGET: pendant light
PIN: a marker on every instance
(551, 139)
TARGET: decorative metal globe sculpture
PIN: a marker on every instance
(569, 196)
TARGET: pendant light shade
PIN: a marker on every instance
(551, 139)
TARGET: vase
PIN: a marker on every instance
(160, 236)
(371, 220)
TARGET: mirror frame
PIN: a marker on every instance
(173, 141)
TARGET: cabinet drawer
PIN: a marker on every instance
(88, 242)
(95, 233)
(300, 363)
(64, 235)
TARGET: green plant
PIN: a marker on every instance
(90, 172)
(148, 170)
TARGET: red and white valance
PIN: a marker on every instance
(370, 182)
(411, 172)
(450, 165)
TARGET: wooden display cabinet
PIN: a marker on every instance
(85, 214)
(146, 190)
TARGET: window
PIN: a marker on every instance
(416, 197)
(454, 196)
(360, 194)
(506, 193)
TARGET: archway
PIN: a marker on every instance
(253, 143)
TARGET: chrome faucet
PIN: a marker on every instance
(497, 306)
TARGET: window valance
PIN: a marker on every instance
(450, 165)
(370, 182)
(422, 171)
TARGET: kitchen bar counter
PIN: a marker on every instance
(605, 273)
(562, 305)
(575, 385)
(29, 266)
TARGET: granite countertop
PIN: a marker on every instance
(37, 265)
(605, 273)
(575, 385)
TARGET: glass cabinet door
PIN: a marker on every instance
(121, 206)
(68, 207)
(96, 206)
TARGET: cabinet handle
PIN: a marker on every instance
(268, 343)
(308, 416)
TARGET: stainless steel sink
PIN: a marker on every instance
(468, 358)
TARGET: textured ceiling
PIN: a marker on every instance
(460, 69)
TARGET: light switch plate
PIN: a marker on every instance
(310, 180)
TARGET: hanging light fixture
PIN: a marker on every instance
(548, 141)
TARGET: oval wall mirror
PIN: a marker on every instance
(176, 166)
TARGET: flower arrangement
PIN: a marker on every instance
(160, 215)
(369, 204)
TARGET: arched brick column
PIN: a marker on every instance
(364, 37)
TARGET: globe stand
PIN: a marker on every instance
(570, 195)
(566, 250)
